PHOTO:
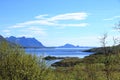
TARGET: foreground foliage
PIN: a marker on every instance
(15, 64)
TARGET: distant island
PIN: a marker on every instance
(73, 46)
(68, 46)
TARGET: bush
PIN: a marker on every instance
(16, 65)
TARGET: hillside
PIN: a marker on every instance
(25, 42)
(1, 38)
(9, 43)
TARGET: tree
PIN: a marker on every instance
(107, 55)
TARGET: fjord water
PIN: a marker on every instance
(59, 52)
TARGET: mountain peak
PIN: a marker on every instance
(23, 37)
(25, 42)
(68, 46)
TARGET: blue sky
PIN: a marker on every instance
(57, 22)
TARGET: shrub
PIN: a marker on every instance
(16, 65)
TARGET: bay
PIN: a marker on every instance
(59, 52)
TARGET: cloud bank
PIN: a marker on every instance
(37, 25)
(57, 20)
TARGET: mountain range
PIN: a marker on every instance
(25, 42)
(31, 42)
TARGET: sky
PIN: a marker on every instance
(57, 22)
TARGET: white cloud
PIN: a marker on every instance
(34, 22)
(41, 16)
(70, 16)
(55, 20)
(112, 18)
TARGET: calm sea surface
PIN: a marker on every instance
(59, 52)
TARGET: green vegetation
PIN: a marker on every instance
(68, 62)
(15, 64)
